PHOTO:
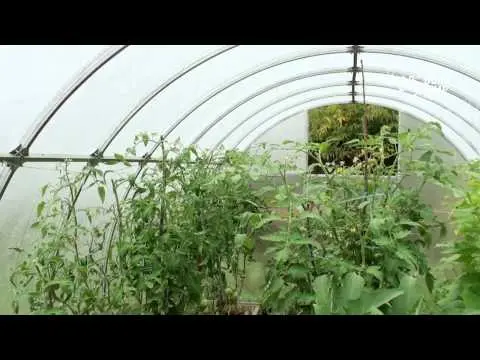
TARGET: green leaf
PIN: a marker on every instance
(282, 255)
(378, 298)
(363, 204)
(240, 239)
(353, 285)
(305, 299)
(382, 241)
(375, 311)
(411, 223)
(426, 157)
(405, 254)
(44, 189)
(145, 139)
(298, 271)
(323, 147)
(267, 220)
(101, 193)
(443, 230)
(15, 306)
(16, 249)
(392, 141)
(419, 306)
(323, 288)
(249, 243)
(236, 178)
(375, 271)
(405, 304)
(401, 234)
(89, 217)
(451, 259)
(276, 285)
(40, 208)
(55, 284)
(471, 298)
(119, 157)
(274, 238)
(429, 281)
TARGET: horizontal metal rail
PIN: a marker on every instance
(47, 158)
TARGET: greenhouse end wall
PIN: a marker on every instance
(296, 129)
(293, 129)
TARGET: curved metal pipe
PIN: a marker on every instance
(333, 96)
(262, 91)
(28, 139)
(248, 74)
(412, 55)
(146, 100)
(65, 94)
(406, 54)
(277, 63)
(373, 84)
(5, 178)
(318, 73)
(344, 102)
(231, 131)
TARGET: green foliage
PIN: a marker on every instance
(178, 237)
(164, 250)
(461, 293)
(360, 233)
(336, 125)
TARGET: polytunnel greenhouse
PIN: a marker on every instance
(240, 179)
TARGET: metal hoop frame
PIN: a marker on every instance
(395, 100)
(104, 58)
(314, 74)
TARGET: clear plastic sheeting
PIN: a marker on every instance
(90, 102)
(205, 90)
(253, 134)
(188, 104)
(18, 209)
(109, 95)
(30, 78)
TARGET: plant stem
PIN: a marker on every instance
(73, 211)
(164, 188)
(365, 169)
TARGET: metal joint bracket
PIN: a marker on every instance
(18, 158)
(354, 69)
(355, 49)
(350, 82)
(14, 163)
(94, 161)
(96, 154)
(20, 151)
